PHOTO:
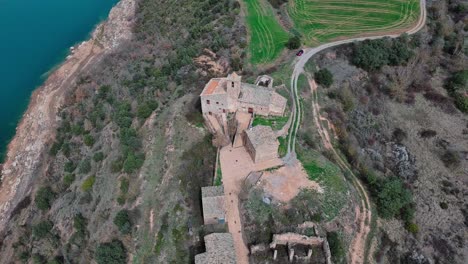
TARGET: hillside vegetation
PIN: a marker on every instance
(112, 186)
(397, 109)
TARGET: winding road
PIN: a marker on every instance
(363, 213)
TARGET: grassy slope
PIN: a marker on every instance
(275, 122)
(267, 37)
(322, 20)
(330, 178)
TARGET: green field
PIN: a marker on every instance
(323, 20)
(267, 37)
(320, 21)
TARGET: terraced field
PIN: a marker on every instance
(320, 21)
(267, 37)
(323, 20)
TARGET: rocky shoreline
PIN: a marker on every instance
(27, 152)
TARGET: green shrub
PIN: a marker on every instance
(98, 156)
(122, 221)
(133, 162)
(44, 198)
(55, 148)
(56, 260)
(123, 115)
(451, 159)
(111, 253)
(461, 101)
(116, 165)
(88, 140)
(317, 217)
(77, 129)
(346, 98)
(24, 256)
(412, 227)
(392, 197)
(124, 184)
(443, 205)
(129, 140)
(69, 166)
(324, 77)
(336, 247)
(85, 166)
(458, 82)
(145, 109)
(37, 259)
(121, 199)
(42, 229)
(293, 42)
(88, 183)
(68, 179)
(79, 223)
(104, 92)
(373, 54)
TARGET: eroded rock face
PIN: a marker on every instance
(403, 162)
(27, 153)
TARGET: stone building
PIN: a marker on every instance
(261, 143)
(219, 250)
(228, 95)
(213, 205)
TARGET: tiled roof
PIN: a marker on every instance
(214, 86)
(219, 250)
(213, 201)
(259, 135)
(255, 94)
(278, 101)
(211, 191)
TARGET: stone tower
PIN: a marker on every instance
(233, 87)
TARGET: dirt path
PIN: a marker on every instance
(364, 217)
(236, 165)
(363, 212)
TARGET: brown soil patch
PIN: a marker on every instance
(285, 183)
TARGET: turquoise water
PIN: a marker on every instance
(35, 36)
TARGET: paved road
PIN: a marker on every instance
(310, 52)
(363, 214)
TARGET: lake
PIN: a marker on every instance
(36, 36)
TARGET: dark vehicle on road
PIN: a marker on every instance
(299, 53)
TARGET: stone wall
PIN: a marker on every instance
(257, 109)
(248, 146)
(218, 102)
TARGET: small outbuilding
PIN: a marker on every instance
(213, 205)
(261, 143)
